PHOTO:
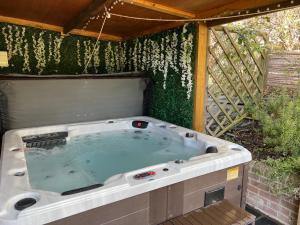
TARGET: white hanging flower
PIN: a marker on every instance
(39, 51)
(185, 62)
(57, 46)
(87, 55)
(109, 58)
(168, 60)
(96, 57)
(8, 37)
(18, 42)
(129, 61)
(174, 44)
(50, 50)
(117, 58)
(135, 55)
(155, 59)
(122, 56)
(78, 53)
(139, 59)
(144, 55)
(26, 63)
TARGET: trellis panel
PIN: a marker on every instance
(236, 74)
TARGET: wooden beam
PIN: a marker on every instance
(200, 78)
(235, 6)
(104, 36)
(44, 26)
(161, 8)
(93, 9)
(155, 29)
(29, 23)
(283, 5)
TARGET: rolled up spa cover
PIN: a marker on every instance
(30, 102)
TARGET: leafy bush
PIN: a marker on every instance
(284, 175)
(279, 116)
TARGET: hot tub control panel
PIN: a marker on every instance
(144, 175)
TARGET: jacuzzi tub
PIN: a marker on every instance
(133, 166)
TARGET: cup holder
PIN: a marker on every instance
(24, 203)
(212, 149)
(179, 161)
(190, 135)
(19, 174)
(15, 149)
(236, 149)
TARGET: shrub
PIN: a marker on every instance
(284, 175)
(279, 116)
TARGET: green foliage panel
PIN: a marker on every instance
(167, 57)
(36, 51)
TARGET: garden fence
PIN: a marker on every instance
(236, 76)
(283, 69)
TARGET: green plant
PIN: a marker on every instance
(284, 175)
(279, 116)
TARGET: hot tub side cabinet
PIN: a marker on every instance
(162, 204)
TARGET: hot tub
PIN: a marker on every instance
(125, 171)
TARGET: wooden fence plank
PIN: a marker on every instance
(283, 69)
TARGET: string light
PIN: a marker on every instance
(257, 13)
(96, 44)
(247, 13)
(107, 14)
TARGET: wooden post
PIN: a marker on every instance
(200, 78)
(298, 223)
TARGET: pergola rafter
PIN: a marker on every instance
(162, 8)
(93, 9)
(71, 16)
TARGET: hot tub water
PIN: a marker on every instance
(91, 159)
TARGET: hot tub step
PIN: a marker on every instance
(221, 213)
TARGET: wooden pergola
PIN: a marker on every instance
(84, 17)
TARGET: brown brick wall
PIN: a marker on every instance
(281, 208)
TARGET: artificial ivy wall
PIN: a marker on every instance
(167, 57)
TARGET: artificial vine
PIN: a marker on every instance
(167, 57)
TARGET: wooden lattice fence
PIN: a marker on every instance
(236, 76)
(283, 69)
